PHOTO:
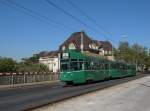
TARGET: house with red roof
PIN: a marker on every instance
(78, 41)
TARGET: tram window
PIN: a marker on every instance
(113, 66)
(106, 66)
(73, 59)
(80, 59)
(98, 65)
(73, 66)
(80, 65)
(91, 65)
(125, 67)
(95, 66)
(118, 66)
(65, 60)
(121, 67)
(64, 67)
(87, 66)
(76, 65)
(101, 66)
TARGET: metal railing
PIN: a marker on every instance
(20, 78)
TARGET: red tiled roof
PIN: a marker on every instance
(75, 38)
(106, 45)
(50, 54)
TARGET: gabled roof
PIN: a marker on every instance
(75, 38)
(106, 45)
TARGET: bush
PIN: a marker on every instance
(21, 67)
(7, 65)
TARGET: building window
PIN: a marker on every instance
(93, 46)
(90, 46)
(71, 46)
(54, 64)
(63, 47)
(96, 47)
(110, 52)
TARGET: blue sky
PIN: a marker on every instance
(22, 35)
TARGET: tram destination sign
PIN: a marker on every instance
(65, 55)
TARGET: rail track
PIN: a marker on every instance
(32, 98)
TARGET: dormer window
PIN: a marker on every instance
(93, 46)
(96, 47)
(63, 47)
(90, 46)
(71, 46)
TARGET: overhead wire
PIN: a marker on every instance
(86, 15)
(89, 18)
(22, 11)
(32, 13)
(70, 15)
(48, 20)
(77, 19)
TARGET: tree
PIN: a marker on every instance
(133, 54)
(123, 52)
(147, 63)
(21, 67)
(31, 64)
(33, 59)
(7, 65)
(139, 56)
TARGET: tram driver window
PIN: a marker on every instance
(73, 66)
(64, 67)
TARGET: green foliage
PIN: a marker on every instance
(31, 65)
(7, 65)
(27, 65)
(30, 60)
(134, 54)
(21, 67)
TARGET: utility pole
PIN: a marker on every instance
(82, 44)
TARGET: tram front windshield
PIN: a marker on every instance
(72, 65)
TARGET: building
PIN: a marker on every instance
(50, 59)
(81, 42)
(76, 41)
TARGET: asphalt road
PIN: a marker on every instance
(129, 96)
(25, 98)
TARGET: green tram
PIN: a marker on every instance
(77, 68)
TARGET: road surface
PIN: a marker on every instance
(130, 96)
(23, 98)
